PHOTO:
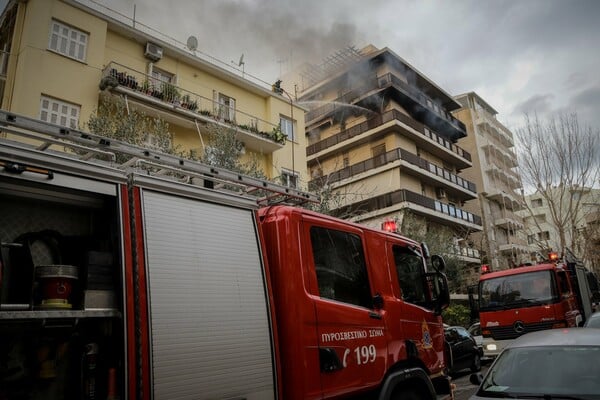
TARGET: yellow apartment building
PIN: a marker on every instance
(60, 57)
(495, 173)
(382, 135)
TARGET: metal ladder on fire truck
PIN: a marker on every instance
(46, 137)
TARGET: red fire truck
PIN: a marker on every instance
(133, 274)
(512, 302)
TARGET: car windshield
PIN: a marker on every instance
(520, 290)
(546, 372)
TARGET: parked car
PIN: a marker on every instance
(475, 331)
(549, 364)
(593, 321)
(464, 351)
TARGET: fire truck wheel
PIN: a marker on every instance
(476, 366)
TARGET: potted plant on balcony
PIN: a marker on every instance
(170, 93)
(146, 87)
(108, 81)
(277, 135)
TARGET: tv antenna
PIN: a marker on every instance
(192, 43)
(240, 63)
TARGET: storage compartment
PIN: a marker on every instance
(61, 328)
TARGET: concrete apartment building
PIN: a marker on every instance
(494, 171)
(581, 227)
(382, 135)
(60, 57)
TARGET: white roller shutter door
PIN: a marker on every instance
(209, 325)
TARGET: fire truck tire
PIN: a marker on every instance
(476, 365)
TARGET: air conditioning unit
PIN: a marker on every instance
(440, 193)
(153, 52)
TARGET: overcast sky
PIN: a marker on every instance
(520, 56)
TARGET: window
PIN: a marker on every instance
(536, 203)
(340, 266)
(530, 239)
(287, 128)
(68, 41)
(224, 106)
(409, 269)
(160, 76)
(540, 218)
(378, 154)
(544, 235)
(289, 178)
(59, 112)
(345, 160)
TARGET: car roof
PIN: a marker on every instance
(558, 337)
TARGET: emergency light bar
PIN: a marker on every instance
(389, 226)
(485, 269)
(553, 256)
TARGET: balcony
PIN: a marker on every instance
(504, 156)
(492, 126)
(421, 106)
(433, 210)
(508, 200)
(513, 248)
(424, 137)
(509, 222)
(176, 104)
(466, 254)
(430, 173)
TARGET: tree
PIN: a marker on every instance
(113, 119)
(559, 159)
(440, 240)
(225, 151)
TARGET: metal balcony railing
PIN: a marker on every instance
(403, 195)
(203, 107)
(389, 157)
(465, 252)
(374, 122)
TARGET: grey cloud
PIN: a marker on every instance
(540, 103)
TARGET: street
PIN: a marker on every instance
(464, 388)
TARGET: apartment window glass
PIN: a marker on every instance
(287, 128)
(68, 41)
(530, 239)
(544, 235)
(409, 270)
(340, 266)
(59, 112)
(346, 160)
(289, 178)
(226, 107)
(162, 76)
(537, 203)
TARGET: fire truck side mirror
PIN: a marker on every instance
(438, 263)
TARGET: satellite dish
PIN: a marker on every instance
(192, 43)
(241, 62)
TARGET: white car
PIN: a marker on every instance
(549, 364)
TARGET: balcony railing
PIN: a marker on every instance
(382, 82)
(202, 108)
(465, 252)
(374, 122)
(389, 157)
(403, 195)
(502, 133)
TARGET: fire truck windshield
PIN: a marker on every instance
(522, 290)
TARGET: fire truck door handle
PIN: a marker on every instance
(374, 315)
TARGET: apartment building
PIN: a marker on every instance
(494, 171)
(575, 211)
(60, 57)
(381, 134)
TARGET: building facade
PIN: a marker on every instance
(494, 171)
(61, 57)
(382, 137)
(573, 210)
